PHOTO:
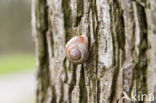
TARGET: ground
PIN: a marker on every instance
(18, 87)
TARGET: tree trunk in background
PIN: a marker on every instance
(122, 45)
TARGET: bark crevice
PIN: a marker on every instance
(118, 35)
(42, 49)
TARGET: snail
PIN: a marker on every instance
(76, 49)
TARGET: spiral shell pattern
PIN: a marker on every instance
(76, 49)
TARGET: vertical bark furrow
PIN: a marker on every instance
(67, 18)
(114, 47)
(128, 66)
(99, 91)
(50, 43)
(94, 77)
(53, 100)
(80, 4)
(43, 80)
(135, 78)
(42, 49)
(72, 84)
(83, 91)
(143, 46)
(65, 70)
(118, 34)
(50, 38)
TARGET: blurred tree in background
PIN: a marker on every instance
(16, 44)
(15, 26)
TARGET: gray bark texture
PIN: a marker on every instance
(122, 47)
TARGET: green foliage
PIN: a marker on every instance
(16, 62)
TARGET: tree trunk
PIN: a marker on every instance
(122, 50)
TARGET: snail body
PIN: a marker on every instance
(76, 49)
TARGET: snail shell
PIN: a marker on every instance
(76, 49)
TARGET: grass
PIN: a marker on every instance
(10, 63)
(31, 100)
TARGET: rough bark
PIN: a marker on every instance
(122, 48)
